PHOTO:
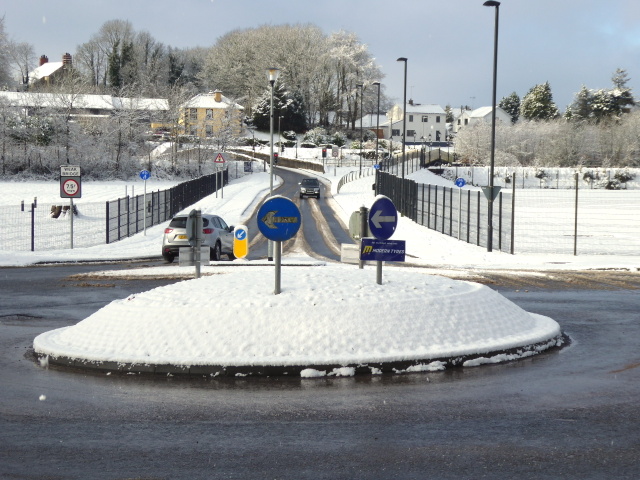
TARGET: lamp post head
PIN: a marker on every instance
(376, 84)
(491, 3)
(272, 74)
(402, 59)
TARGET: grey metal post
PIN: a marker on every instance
(197, 226)
(492, 3)
(71, 219)
(575, 227)
(513, 213)
(278, 264)
(364, 218)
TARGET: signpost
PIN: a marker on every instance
(144, 175)
(278, 220)
(383, 220)
(460, 182)
(70, 187)
(220, 160)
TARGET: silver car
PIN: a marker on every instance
(216, 234)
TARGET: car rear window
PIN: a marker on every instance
(179, 222)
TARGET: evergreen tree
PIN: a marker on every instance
(511, 105)
(286, 104)
(113, 68)
(448, 114)
(582, 106)
(538, 104)
(621, 93)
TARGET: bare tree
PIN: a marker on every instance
(24, 58)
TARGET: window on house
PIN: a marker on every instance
(411, 118)
(395, 132)
(438, 119)
(425, 118)
(209, 113)
(194, 130)
(193, 113)
(411, 133)
(466, 121)
(209, 130)
(458, 121)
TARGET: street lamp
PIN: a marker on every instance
(272, 75)
(492, 3)
(360, 86)
(404, 114)
(404, 133)
(377, 118)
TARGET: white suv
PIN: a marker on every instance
(216, 234)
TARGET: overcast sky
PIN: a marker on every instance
(448, 43)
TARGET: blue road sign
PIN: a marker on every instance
(460, 182)
(279, 219)
(377, 166)
(241, 234)
(145, 174)
(372, 249)
(383, 218)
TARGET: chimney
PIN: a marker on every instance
(43, 59)
(66, 59)
(217, 95)
(411, 101)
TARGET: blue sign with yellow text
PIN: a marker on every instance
(373, 249)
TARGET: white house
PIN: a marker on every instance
(426, 124)
(482, 114)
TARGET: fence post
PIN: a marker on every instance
(444, 206)
(451, 211)
(468, 214)
(478, 224)
(429, 206)
(575, 226)
(500, 222)
(513, 212)
(33, 227)
(107, 208)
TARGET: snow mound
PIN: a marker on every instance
(323, 316)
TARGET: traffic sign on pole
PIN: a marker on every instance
(278, 219)
(383, 218)
(70, 181)
(145, 174)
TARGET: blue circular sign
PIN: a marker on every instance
(145, 174)
(241, 233)
(383, 218)
(377, 166)
(460, 182)
(279, 219)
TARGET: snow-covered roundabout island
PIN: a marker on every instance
(327, 320)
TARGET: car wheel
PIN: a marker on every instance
(301, 195)
(215, 253)
(231, 256)
(318, 196)
(168, 258)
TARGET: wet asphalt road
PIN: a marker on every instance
(569, 414)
